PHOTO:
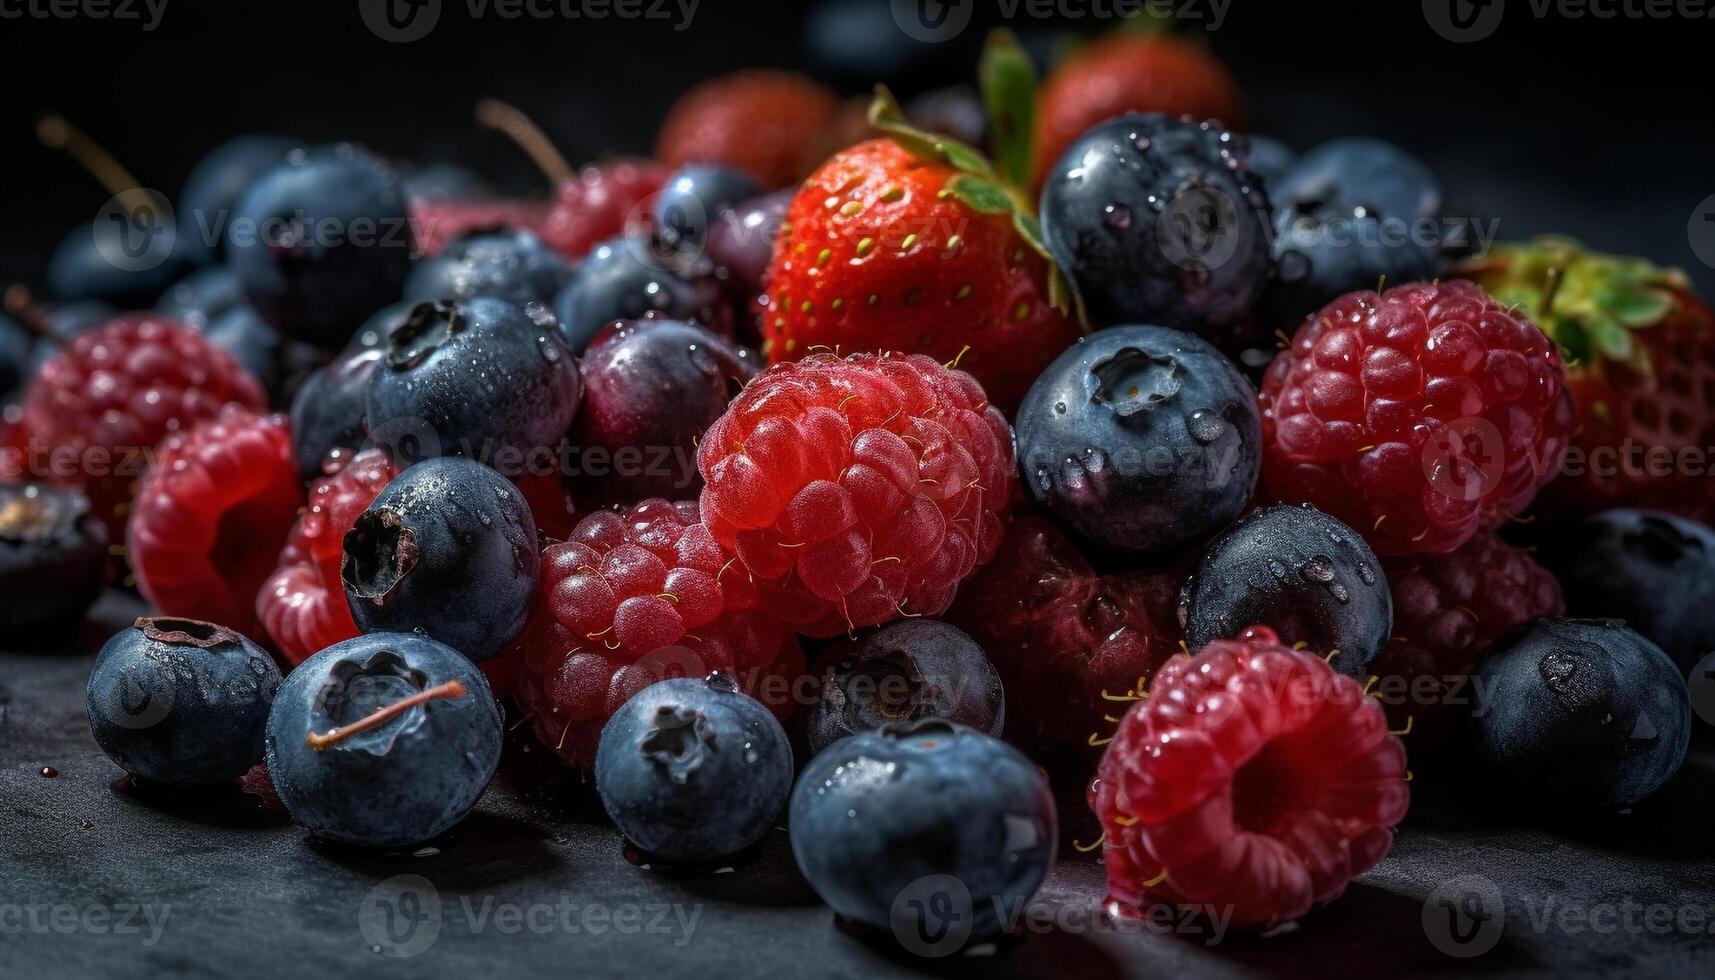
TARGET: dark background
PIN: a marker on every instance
(1596, 128)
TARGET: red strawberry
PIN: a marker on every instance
(1126, 72)
(1640, 361)
(773, 125)
(911, 243)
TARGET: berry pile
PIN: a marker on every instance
(966, 473)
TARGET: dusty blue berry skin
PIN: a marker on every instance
(477, 377)
(1299, 572)
(693, 199)
(447, 549)
(321, 241)
(405, 781)
(1156, 219)
(79, 270)
(211, 192)
(179, 702)
(15, 346)
(511, 265)
(875, 814)
(1579, 714)
(1269, 160)
(625, 280)
(53, 563)
(211, 299)
(693, 769)
(1141, 439)
(443, 182)
(1654, 570)
(906, 671)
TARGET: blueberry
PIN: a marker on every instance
(1269, 161)
(906, 671)
(252, 342)
(1579, 714)
(1651, 569)
(477, 377)
(1348, 214)
(53, 561)
(1299, 572)
(515, 266)
(620, 280)
(929, 812)
(741, 243)
(385, 740)
(693, 770)
(322, 241)
(202, 296)
(215, 184)
(693, 200)
(328, 409)
(1156, 220)
(447, 549)
(80, 269)
(651, 389)
(1142, 439)
(181, 702)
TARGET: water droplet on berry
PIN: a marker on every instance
(1206, 426)
(1276, 569)
(1117, 217)
(1319, 569)
(1365, 575)
(549, 348)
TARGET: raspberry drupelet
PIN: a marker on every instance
(1251, 777)
(109, 396)
(592, 207)
(1416, 415)
(856, 490)
(632, 598)
(211, 515)
(302, 605)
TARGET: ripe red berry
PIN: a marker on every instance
(1447, 610)
(772, 125)
(437, 222)
(1252, 778)
(1062, 636)
(632, 598)
(302, 605)
(100, 405)
(1415, 416)
(593, 206)
(854, 491)
(211, 515)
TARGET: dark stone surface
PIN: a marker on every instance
(234, 889)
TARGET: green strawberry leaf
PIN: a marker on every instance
(1610, 337)
(885, 115)
(1634, 305)
(1009, 94)
(981, 194)
(1574, 342)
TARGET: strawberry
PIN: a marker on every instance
(1639, 348)
(1130, 71)
(915, 243)
(773, 125)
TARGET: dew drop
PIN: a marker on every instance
(1117, 216)
(1206, 426)
(1319, 569)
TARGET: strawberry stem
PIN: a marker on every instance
(509, 119)
(56, 132)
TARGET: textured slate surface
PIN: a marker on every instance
(97, 882)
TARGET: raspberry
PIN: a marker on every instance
(857, 490)
(1060, 635)
(1447, 610)
(632, 598)
(105, 400)
(211, 515)
(303, 604)
(593, 206)
(1416, 415)
(1252, 777)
